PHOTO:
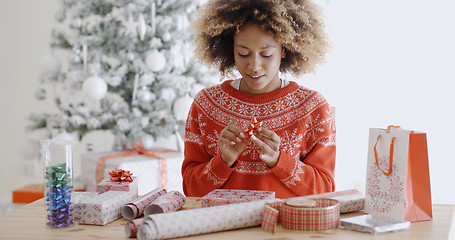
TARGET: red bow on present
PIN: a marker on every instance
(120, 175)
(254, 126)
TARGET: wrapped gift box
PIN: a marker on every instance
(350, 200)
(108, 185)
(28, 194)
(370, 224)
(146, 169)
(101, 209)
(77, 197)
(228, 196)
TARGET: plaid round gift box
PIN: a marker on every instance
(317, 214)
(323, 215)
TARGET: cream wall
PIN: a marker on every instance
(25, 27)
(391, 64)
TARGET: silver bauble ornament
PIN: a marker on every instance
(77, 23)
(155, 60)
(94, 88)
(166, 37)
(147, 141)
(144, 96)
(181, 107)
(40, 94)
(74, 58)
(130, 56)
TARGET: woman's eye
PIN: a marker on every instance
(266, 54)
(247, 54)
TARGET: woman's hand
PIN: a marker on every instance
(269, 143)
(231, 144)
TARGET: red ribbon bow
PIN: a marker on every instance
(120, 175)
(254, 126)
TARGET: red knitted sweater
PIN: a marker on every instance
(300, 116)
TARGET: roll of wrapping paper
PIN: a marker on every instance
(202, 220)
(136, 208)
(132, 226)
(169, 202)
(303, 215)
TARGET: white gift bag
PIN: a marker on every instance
(398, 179)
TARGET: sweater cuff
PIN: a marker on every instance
(284, 167)
(219, 168)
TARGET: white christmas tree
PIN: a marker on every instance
(132, 58)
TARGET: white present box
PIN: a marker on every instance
(145, 168)
(101, 209)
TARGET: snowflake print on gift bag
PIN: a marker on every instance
(396, 158)
(386, 196)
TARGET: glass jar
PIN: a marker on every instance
(58, 182)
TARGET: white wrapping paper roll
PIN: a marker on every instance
(136, 208)
(202, 220)
(169, 202)
(132, 226)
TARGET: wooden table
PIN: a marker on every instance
(28, 222)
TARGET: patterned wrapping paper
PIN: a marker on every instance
(270, 218)
(350, 203)
(136, 208)
(108, 185)
(78, 197)
(324, 215)
(350, 200)
(227, 196)
(146, 169)
(132, 226)
(103, 208)
(202, 220)
(169, 202)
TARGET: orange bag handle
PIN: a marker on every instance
(391, 156)
(392, 126)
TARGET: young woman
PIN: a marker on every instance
(293, 152)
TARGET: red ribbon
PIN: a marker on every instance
(252, 128)
(120, 175)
